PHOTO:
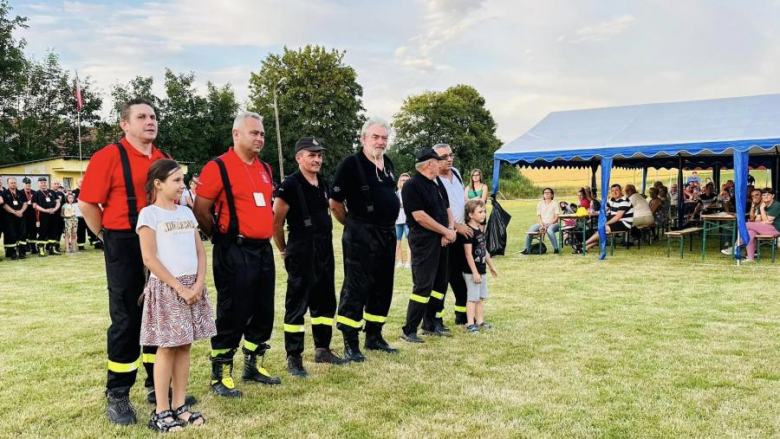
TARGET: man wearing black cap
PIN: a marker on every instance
(302, 200)
(30, 215)
(364, 200)
(46, 202)
(431, 229)
(15, 231)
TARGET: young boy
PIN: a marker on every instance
(474, 270)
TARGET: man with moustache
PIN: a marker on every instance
(30, 216)
(302, 201)
(364, 200)
(116, 179)
(236, 188)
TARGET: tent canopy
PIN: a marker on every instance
(632, 134)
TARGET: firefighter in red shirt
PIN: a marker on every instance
(115, 180)
(236, 187)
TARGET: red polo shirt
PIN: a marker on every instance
(254, 221)
(104, 182)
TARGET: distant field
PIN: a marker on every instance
(567, 181)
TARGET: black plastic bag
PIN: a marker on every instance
(496, 229)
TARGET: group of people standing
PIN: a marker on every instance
(35, 221)
(237, 207)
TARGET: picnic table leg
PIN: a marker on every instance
(682, 244)
(668, 247)
(560, 236)
(774, 246)
(703, 241)
(733, 238)
(584, 233)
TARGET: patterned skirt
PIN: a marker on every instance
(168, 321)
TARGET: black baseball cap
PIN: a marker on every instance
(309, 144)
(26, 180)
(42, 179)
(426, 154)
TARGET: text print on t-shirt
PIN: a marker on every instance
(178, 226)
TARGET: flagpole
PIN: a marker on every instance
(78, 121)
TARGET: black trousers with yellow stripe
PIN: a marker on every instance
(454, 265)
(369, 267)
(429, 272)
(125, 276)
(310, 286)
(14, 233)
(245, 277)
(47, 231)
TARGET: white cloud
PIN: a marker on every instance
(603, 31)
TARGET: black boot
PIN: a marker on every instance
(295, 366)
(375, 342)
(258, 374)
(324, 355)
(41, 250)
(10, 253)
(460, 318)
(222, 378)
(53, 250)
(352, 347)
(22, 251)
(119, 409)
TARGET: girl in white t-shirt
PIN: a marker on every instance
(176, 308)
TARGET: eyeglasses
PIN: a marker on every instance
(448, 156)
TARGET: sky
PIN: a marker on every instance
(527, 58)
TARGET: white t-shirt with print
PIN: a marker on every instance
(175, 236)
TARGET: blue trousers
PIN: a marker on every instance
(551, 233)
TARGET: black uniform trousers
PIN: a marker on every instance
(30, 227)
(369, 267)
(47, 231)
(456, 259)
(429, 272)
(244, 275)
(125, 276)
(81, 233)
(308, 260)
(15, 233)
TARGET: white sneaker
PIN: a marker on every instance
(726, 251)
(399, 265)
(748, 260)
(407, 265)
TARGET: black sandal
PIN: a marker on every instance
(194, 416)
(159, 424)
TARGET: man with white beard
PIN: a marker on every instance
(364, 200)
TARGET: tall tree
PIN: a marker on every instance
(182, 116)
(456, 116)
(221, 109)
(318, 95)
(12, 66)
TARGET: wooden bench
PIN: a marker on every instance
(680, 235)
(762, 240)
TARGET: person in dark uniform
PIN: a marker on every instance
(46, 202)
(14, 227)
(364, 200)
(59, 221)
(115, 180)
(302, 200)
(30, 216)
(81, 229)
(431, 229)
(2, 211)
(237, 187)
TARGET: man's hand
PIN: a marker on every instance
(450, 235)
(477, 278)
(464, 230)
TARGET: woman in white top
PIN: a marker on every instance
(176, 309)
(547, 212)
(401, 228)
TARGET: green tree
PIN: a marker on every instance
(89, 116)
(182, 116)
(456, 116)
(12, 66)
(221, 109)
(318, 95)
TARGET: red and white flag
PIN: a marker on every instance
(79, 101)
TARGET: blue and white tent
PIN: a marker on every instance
(731, 132)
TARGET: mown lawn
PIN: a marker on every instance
(639, 345)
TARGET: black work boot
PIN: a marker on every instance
(258, 374)
(222, 378)
(352, 348)
(53, 250)
(41, 250)
(295, 366)
(440, 326)
(324, 355)
(10, 253)
(375, 342)
(119, 409)
(460, 318)
(22, 251)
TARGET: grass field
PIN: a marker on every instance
(639, 345)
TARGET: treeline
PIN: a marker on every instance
(316, 92)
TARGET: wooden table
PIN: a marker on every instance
(580, 220)
(720, 223)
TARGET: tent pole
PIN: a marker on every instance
(593, 166)
(496, 171)
(680, 199)
(776, 172)
(716, 177)
(644, 180)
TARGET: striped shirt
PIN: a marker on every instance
(621, 205)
